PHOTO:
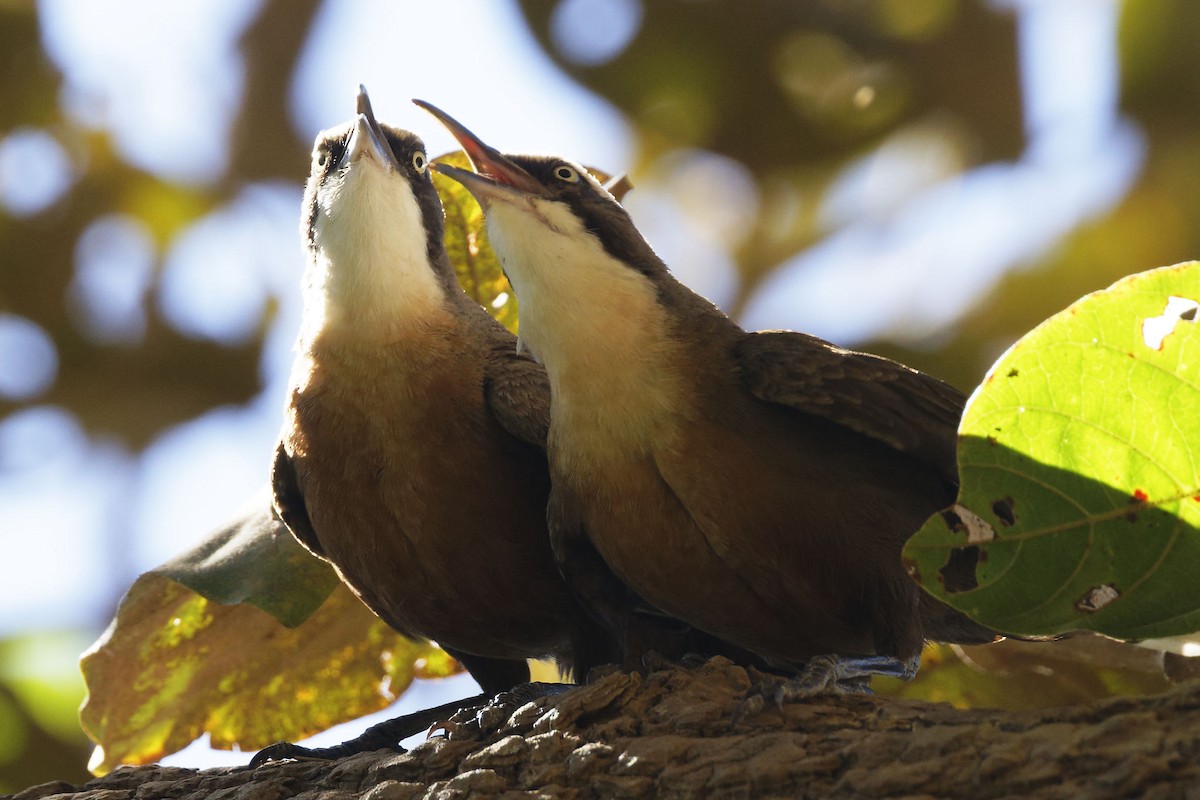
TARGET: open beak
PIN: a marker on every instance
(367, 139)
(493, 168)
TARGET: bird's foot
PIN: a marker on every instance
(653, 661)
(385, 735)
(487, 718)
(827, 673)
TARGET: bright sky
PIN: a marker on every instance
(86, 516)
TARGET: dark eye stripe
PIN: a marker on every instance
(337, 150)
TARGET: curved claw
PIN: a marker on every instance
(752, 703)
(446, 729)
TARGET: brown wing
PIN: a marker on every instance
(518, 393)
(288, 501)
(876, 397)
(871, 395)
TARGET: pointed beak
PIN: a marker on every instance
(493, 168)
(367, 139)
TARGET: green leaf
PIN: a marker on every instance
(256, 560)
(1080, 498)
(174, 665)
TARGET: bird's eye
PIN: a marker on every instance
(419, 162)
(566, 173)
(322, 156)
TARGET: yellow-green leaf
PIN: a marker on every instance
(174, 665)
(1080, 465)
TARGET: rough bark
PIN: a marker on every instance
(668, 735)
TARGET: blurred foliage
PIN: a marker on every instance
(1079, 507)
(1017, 676)
(696, 73)
(794, 91)
(1157, 222)
(130, 391)
(40, 690)
(136, 391)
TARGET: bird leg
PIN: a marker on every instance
(385, 735)
(825, 673)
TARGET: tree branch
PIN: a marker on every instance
(667, 735)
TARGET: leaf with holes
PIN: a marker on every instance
(1079, 457)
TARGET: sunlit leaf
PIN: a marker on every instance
(174, 665)
(1080, 468)
(256, 560)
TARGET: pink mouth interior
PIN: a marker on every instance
(484, 164)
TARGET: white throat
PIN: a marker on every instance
(369, 275)
(594, 323)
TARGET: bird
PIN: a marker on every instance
(759, 486)
(411, 455)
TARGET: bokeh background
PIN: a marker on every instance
(927, 179)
